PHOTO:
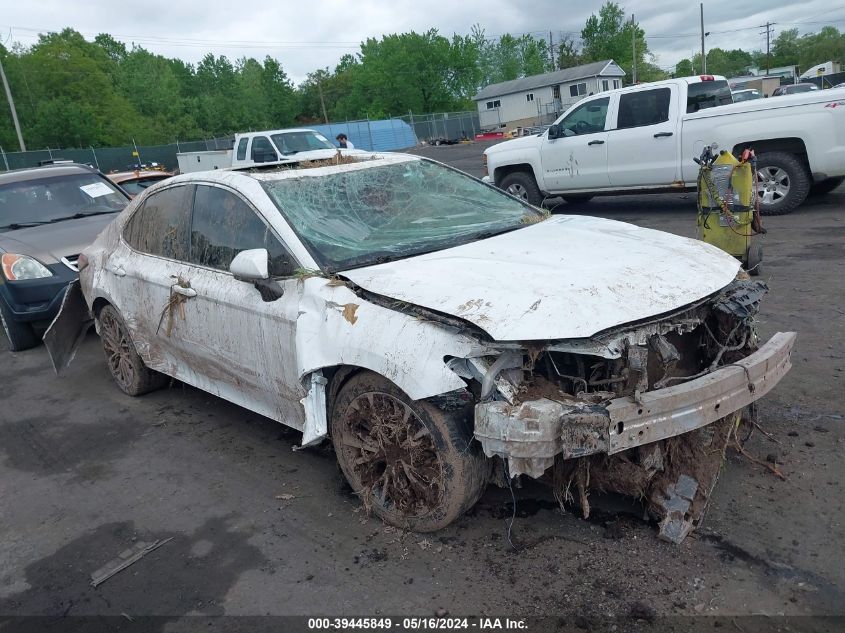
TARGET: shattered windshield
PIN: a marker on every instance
(374, 214)
(54, 198)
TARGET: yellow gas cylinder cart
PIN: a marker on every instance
(728, 208)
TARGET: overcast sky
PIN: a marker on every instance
(305, 36)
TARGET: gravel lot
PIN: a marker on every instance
(257, 529)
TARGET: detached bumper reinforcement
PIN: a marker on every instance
(529, 435)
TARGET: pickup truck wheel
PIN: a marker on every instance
(411, 463)
(826, 186)
(782, 183)
(21, 336)
(127, 368)
(522, 185)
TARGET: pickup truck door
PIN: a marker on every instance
(642, 146)
(577, 159)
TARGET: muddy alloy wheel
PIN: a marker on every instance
(411, 463)
(126, 367)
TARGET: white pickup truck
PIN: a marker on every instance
(270, 146)
(642, 139)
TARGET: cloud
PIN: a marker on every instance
(307, 36)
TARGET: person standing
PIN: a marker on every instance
(344, 142)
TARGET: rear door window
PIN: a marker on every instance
(160, 226)
(644, 107)
(242, 148)
(223, 225)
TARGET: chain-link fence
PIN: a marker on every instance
(444, 126)
(375, 135)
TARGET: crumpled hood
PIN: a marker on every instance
(50, 242)
(567, 277)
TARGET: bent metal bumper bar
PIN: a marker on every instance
(530, 434)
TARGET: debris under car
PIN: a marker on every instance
(442, 333)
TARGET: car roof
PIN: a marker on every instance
(123, 176)
(293, 170)
(47, 171)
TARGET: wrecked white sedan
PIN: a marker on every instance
(443, 334)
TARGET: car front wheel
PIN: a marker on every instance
(522, 185)
(413, 464)
(126, 366)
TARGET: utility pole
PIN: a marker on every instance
(633, 50)
(12, 107)
(552, 51)
(703, 56)
(322, 101)
(768, 26)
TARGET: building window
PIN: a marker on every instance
(615, 83)
(556, 92)
(529, 96)
(493, 104)
(605, 85)
(577, 90)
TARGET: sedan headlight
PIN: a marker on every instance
(20, 267)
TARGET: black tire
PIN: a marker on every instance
(422, 469)
(127, 368)
(577, 198)
(20, 335)
(826, 186)
(754, 259)
(522, 185)
(782, 182)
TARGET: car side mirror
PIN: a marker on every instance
(251, 265)
(554, 131)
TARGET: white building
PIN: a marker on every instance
(537, 99)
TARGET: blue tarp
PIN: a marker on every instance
(380, 136)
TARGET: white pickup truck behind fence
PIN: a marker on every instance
(643, 138)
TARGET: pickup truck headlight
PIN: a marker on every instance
(20, 267)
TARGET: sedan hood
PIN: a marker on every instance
(50, 242)
(567, 277)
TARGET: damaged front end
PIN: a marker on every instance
(645, 410)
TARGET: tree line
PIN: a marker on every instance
(71, 92)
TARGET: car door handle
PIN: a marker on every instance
(182, 290)
(118, 270)
(660, 134)
(596, 143)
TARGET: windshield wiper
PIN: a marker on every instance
(14, 226)
(79, 215)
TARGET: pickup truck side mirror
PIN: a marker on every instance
(554, 131)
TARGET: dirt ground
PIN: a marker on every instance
(85, 472)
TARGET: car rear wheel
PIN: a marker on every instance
(126, 366)
(782, 183)
(21, 336)
(522, 185)
(411, 463)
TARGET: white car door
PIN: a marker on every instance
(237, 345)
(643, 144)
(142, 270)
(577, 158)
